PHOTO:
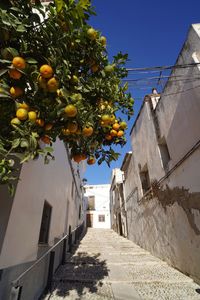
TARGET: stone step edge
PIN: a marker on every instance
(83, 280)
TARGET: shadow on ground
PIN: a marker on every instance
(82, 274)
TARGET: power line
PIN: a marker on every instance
(181, 66)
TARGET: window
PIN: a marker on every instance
(101, 218)
(164, 153)
(45, 224)
(91, 203)
(145, 180)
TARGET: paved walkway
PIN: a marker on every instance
(107, 266)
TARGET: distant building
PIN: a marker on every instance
(162, 175)
(117, 202)
(98, 205)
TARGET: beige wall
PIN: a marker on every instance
(167, 222)
(39, 182)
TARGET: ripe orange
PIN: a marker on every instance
(72, 127)
(113, 132)
(46, 139)
(84, 156)
(15, 121)
(48, 127)
(123, 125)
(14, 74)
(87, 131)
(92, 34)
(19, 63)
(70, 110)
(40, 122)
(116, 126)
(32, 116)
(16, 92)
(120, 133)
(108, 137)
(46, 71)
(52, 85)
(22, 114)
(77, 158)
(91, 160)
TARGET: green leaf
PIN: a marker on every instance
(59, 5)
(21, 28)
(31, 60)
(15, 143)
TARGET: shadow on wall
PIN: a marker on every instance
(82, 274)
(188, 201)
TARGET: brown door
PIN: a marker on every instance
(89, 220)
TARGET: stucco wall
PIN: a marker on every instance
(167, 221)
(38, 183)
(102, 204)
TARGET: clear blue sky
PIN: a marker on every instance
(152, 33)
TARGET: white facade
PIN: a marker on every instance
(57, 184)
(162, 187)
(100, 213)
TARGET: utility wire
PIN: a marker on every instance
(181, 66)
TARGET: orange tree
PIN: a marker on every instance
(56, 82)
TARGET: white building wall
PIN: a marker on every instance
(39, 182)
(167, 223)
(102, 204)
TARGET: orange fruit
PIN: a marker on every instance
(32, 116)
(116, 126)
(15, 121)
(105, 119)
(84, 156)
(72, 127)
(87, 131)
(123, 125)
(113, 132)
(23, 105)
(103, 40)
(14, 74)
(120, 133)
(108, 137)
(22, 114)
(40, 122)
(70, 110)
(46, 139)
(16, 92)
(91, 160)
(109, 68)
(48, 127)
(112, 119)
(77, 158)
(94, 68)
(19, 63)
(52, 85)
(65, 131)
(42, 82)
(92, 34)
(46, 71)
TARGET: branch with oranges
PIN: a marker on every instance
(56, 82)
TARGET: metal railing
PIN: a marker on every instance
(17, 285)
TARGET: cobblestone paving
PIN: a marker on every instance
(107, 266)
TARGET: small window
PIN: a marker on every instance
(164, 153)
(91, 203)
(45, 224)
(101, 218)
(145, 180)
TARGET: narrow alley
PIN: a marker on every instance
(106, 266)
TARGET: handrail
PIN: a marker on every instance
(15, 282)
